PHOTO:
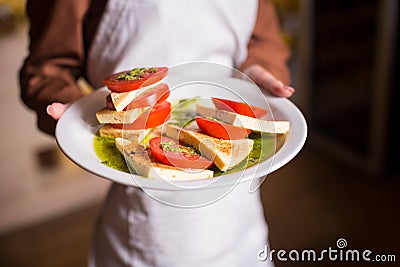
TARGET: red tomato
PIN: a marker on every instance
(151, 97)
(239, 107)
(221, 130)
(150, 119)
(124, 82)
(171, 152)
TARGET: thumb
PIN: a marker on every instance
(56, 109)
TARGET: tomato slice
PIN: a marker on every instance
(174, 153)
(221, 130)
(156, 116)
(151, 97)
(239, 107)
(130, 80)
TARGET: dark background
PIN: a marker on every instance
(343, 184)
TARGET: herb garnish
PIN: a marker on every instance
(173, 147)
(135, 74)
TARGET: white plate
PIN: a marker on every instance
(77, 127)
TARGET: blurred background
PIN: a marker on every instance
(343, 184)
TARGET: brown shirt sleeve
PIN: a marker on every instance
(56, 56)
(266, 46)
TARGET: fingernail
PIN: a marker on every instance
(288, 88)
(49, 110)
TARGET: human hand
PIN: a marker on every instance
(56, 109)
(265, 79)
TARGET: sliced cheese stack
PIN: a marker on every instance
(131, 107)
(112, 118)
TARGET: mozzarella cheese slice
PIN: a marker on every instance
(278, 127)
(135, 136)
(121, 100)
(107, 115)
(140, 161)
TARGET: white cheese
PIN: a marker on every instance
(121, 100)
(107, 115)
(135, 136)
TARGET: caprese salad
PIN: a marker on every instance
(139, 124)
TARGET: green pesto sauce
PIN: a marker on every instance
(135, 74)
(172, 146)
(109, 154)
(183, 112)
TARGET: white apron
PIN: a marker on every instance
(133, 228)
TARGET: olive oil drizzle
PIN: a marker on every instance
(109, 154)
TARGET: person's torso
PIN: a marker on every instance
(145, 33)
(135, 33)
